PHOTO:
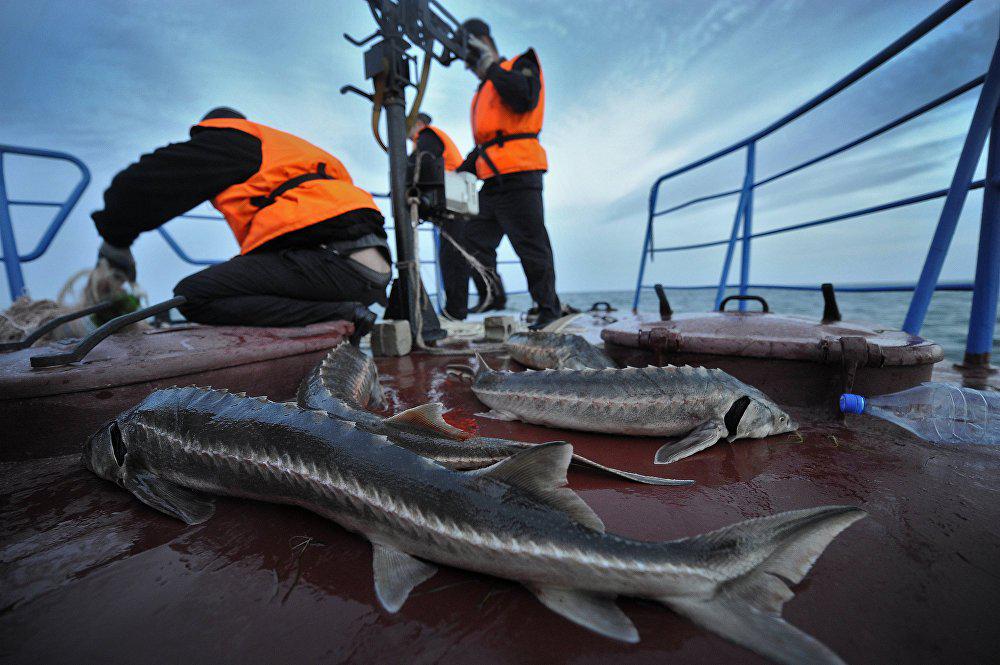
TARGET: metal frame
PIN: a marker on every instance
(986, 288)
(11, 258)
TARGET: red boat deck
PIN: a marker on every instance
(91, 575)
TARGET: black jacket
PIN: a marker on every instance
(177, 177)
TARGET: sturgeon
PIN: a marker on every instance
(514, 520)
(552, 350)
(346, 377)
(705, 405)
(351, 373)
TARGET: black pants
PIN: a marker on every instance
(518, 213)
(290, 287)
(455, 272)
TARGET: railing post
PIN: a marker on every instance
(647, 243)
(720, 292)
(982, 321)
(952, 209)
(11, 259)
(642, 263)
(748, 186)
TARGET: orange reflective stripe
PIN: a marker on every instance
(284, 158)
(492, 118)
(452, 157)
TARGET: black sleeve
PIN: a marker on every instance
(428, 141)
(173, 179)
(468, 165)
(520, 87)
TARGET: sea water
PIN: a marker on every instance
(946, 322)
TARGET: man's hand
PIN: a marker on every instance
(481, 56)
(119, 258)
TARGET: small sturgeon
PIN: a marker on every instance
(705, 404)
(549, 350)
(345, 378)
(352, 372)
(514, 519)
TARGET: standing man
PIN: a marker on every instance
(507, 112)
(312, 245)
(431, 140)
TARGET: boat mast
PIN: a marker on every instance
(402, 24)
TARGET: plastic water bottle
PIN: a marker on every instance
(937, 412)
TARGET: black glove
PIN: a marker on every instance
(119, 258)
(480, 56)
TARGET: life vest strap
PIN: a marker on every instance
(291, 183)
(499, 140)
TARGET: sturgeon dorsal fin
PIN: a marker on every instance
(396, 573)
(483, 367)
(428, 417)
(540, 472)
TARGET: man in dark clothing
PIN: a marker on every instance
(313, 247)
(507, 113)
(433, 141)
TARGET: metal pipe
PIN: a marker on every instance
(952, 209)
(982, 320)
(885, 288)
(11, 259)
(747, 224)
(645, 252)
(740, 205)
(395, 108)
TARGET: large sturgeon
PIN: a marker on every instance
(346, 378)
(706, 405)
(513, 520)
(552, 350)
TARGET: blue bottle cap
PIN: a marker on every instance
(851, 403)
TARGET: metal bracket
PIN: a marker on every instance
(357, 91)
(49, 326)
(765, 309)
(99, 335)
(362, 42)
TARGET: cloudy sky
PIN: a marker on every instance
(633, 89)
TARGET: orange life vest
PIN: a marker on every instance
(297, 185)
(452, 157)
(492, 121)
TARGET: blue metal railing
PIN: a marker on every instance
(987, 285)
(11, 258)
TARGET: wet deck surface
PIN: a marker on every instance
(88, 574)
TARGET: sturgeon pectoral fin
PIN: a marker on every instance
(628, 475)
(597, 613)
(396, 573)
(167, 497)
(497, 415)
(701, 437)
(429, 418)
(541, 472)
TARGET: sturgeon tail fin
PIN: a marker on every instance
(766, 555)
